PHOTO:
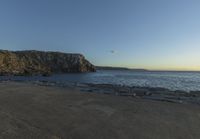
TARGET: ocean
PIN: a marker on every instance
(185, 81)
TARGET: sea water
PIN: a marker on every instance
(186, 81)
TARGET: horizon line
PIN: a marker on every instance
(146, 69)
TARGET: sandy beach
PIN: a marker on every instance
(29, 111)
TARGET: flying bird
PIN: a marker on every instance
(112, 51)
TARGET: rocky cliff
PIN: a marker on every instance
(38, 62)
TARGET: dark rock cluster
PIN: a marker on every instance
(44, 63)
(152, 93)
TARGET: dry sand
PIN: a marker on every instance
(29, 111)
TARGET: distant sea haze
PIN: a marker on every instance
(185, 81)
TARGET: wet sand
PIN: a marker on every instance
(29, 111)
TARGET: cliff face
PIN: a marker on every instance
(38, 62)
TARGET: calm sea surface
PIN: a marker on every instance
(187, 81)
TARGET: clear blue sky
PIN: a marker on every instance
(153, 34)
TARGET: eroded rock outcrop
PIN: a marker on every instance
(38, 62)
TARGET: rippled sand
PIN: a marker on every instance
(30, 111)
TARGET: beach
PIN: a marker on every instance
(30, 111)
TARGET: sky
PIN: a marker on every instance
(150, 34)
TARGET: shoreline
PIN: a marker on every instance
(151, 93)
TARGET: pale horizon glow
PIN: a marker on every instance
(155, 35)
